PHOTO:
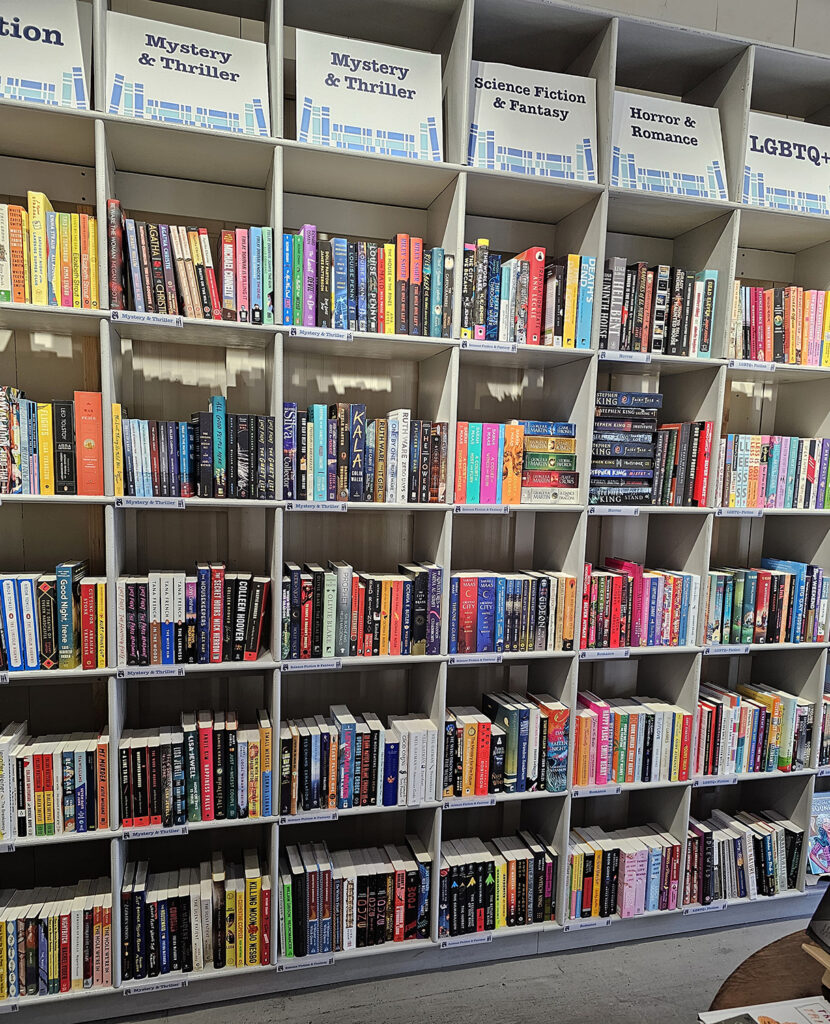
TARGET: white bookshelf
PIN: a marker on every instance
(198, 176)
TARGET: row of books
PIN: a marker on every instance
(629, 872)
(521, 611)
(396, 287)
(208, 768)
(56, 941)
(521, 462)
(630, 739)
(215, 454)
(524, 300)
(213, 916)
(349, 760)
(51, 447)
(755, 728)
(173, 618)
(48, 258)
(515, 744)
(334, 901)
(657, 309)
(506, 882)
(50, 785)
(780, 325)
(343, 612)
(773, 471)
(53, 620)
(334, 454)
(169, 269)
(740, 856)
(627, 605)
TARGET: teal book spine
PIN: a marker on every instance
(288, 279)
(319, 417)
(436, 295)
(585, 301)
(219, 421)
(474, 463)
(267, 275)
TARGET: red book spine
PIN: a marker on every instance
(217, 588)
(402, 284)
(355, 634)
(586, 601)
(206, 759)
(685, 748)
(535, 257)
(400, 906)
(467, 612)
(48, 787)
(549, 478)
(89, 640)
(115, 255)
(713, 730)
(265, 927)
(645, 341)
(381, 324)
(65, 954)
(483, 760)
(462, 434)
(306, 604)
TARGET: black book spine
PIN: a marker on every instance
(174, 932)
(424, 461)
(413, 484)
(127, 934)
(152, 931)
(186, 934)
(220, 767)
(164, 465)
(286, 754)
(63, 425)
(648, 749)
(144, 266)
(243, 462)
(270, 458)
(324, 318)
(228, 617)
(154, 782)
(374, 754)
(142, 623)
(254, 612)
(497, 756)
(261, 473)
(203, 426)
(232, 467)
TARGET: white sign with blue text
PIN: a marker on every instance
(367, 97)
(532, 122)
(158, 71)
(787, 165)
(660, 145)
(41, 60)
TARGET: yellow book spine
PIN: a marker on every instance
(576, 872)
(571, 290)
(253, 779)
(93, 263)
(38, 251)
(117, 451)
(45, 447)
(76, 260)
(597, 884)
(265, 753)
(252, 887)
(55, 283)
(65, 222)
(239, 893)
(825, 332)
(389, 288)
(4, 991)
(501, 895)
(53, 947)
(230, 927)
(101, 623)
(675, 748)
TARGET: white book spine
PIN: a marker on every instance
(532, 766)
(196, 926)
(179, 580)
(349, 911)
(329, 613)
(5, 256)
(403, 765)
(694, 601)
(432, 764)
(28, 618)
(402, 486)
(76, 930)
(657, 748)
(14, 652)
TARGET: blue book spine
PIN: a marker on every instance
(772, 473)
(390, 774)
(203, 615)
(501, 598)
(267, 791)
(331, 459)
(524, 726)
(351, 285)
(435, 583)
(288, 279)
(319, 419)
(500, 465)
(361, 287)
(491, 323)
(27, 591)
(546, 428)
(653, 888)
(452, 647)
(340, 272)
(289, 451)
(80, 794)
(753, 738)
(486, 615)
(436, 293)
(218, 410)
(406, 621)
(315, 769)
(42, 955)
(357, 461)
(325, 934)
(255, 273)
(474, 463)
(52, 244)
(585, 301)
(135, 265)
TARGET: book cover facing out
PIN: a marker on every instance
(532, 122)
(363, 96)
(785, 167)
(41, 58)
(157, 71)
(660, 145)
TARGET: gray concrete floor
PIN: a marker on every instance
(655, 982)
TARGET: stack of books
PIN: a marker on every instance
(521, 611)
(627, 605)
(507, 882)
(374, 895)
(657, 309)
(782, 602)
(773, 471)
(756, 729)
(334, 454)
(51, 785)
(53, 620)
(629, 872)
(169, 269)
(208, 768)
(524, 462)
(214, 916)
(48, 258)
(630, 739)
(51, 447)
(397, 287)
(56, 941)
(173, 618)
(740, 856)
(524, 301)
(214, 454)
(343, 612)
(780, 325)
(349, 760)
(515, 744)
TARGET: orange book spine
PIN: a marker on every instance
(89, 442)
(16, 258)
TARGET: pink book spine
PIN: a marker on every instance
(783, 466)
(309, 275)
(811, 338)
(762, 474)
(592, 750)
(627, 888)
(242, 303)
(661, 611)
(645, 604)
(640, 880)
(821, 299)
(635, 571)
(603, 720)
(674, 878)
(489, 463)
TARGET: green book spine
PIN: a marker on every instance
(288, 920)
(191, 772)
(737, 607)
(623, 748)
